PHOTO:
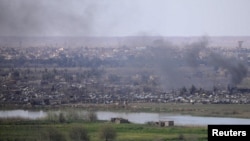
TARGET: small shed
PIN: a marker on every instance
(119, 120)
(165, 123)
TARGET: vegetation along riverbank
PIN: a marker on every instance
(64, 130)
(214, 110)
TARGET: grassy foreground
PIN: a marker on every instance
(34, 131)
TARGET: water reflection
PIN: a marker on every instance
(178, 119)
(139, 117)
(22, 114)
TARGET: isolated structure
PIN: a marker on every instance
(165, 123)
(119, 120)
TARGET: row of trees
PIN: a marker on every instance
(71, 116)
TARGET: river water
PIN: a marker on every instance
(137, 117)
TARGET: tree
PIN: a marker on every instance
(92, 116)
(79, 134)
(192, 89)
(107, 133)
(62, 118)
(183, 90)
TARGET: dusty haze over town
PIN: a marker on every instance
(124, 18)
(87, 50)
(76, 69)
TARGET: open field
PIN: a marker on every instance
(33, 131)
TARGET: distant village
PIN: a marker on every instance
(57, 75)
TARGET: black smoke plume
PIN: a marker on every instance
(176, 67)
(235, 68)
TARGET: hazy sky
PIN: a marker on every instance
(124, 17)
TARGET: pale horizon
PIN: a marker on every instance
(111, 18)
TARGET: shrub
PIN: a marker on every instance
(107, 133)
(62, 118)
(181, 137)
(73, 115)
(79, 134)
(52, 116)
(92, 116)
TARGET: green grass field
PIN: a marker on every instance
(34, 131)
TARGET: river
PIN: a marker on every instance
(137, 117)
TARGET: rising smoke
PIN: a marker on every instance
(177, 68)
(192, 56)
(166, 66)
(236, 69)
(46, 17)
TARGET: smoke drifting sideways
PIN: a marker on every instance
(179, 68)
(236, 69)
(47, 17)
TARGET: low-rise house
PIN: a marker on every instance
(165, 123)
(119, 120)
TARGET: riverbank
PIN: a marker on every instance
(132, 117)
(207, 110)
(25, 129)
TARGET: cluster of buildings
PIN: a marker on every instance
(116, 75)
(57, 87)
